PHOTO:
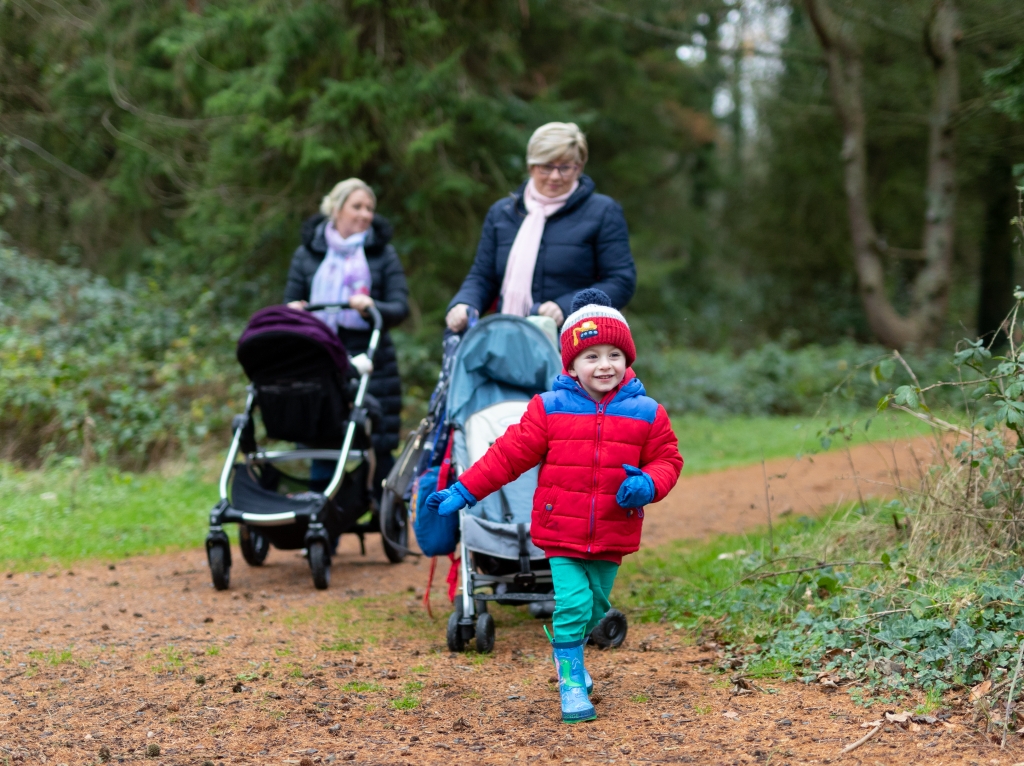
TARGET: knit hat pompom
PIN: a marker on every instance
(593, 321)
(590, 296)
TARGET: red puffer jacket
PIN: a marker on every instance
(581, 446)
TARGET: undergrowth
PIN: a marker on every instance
(123, 376)
(838, 600)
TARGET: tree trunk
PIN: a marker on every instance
(931, 287)
(995, 294)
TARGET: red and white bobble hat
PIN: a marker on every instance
(592, 322)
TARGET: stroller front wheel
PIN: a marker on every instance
(255, 546)
(320, 564)
(394, 527)
(220, 570)
(611, 630)
(456, 640)
(485, 633)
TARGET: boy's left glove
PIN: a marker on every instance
(637, 489)
(451, 500)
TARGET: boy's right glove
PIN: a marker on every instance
(637, 488)
(451, 500)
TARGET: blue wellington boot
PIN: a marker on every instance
(572, 686)
(587, 680)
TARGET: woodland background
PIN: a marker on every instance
(157, 159)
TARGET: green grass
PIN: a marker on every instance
(408, 702)
(61, 515)
(64, 514)
(711, 444)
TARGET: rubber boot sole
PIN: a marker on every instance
(582, 717)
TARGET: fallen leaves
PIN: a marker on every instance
(981, 690)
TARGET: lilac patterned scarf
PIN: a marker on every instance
(343, 273)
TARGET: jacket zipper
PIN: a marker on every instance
(593, 491)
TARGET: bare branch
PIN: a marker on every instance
(679, 35)
(880, 24)
(63, 167)
(126, 105)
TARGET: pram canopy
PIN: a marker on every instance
(299, 368)
(502, 363)
(503, 357)
(259, 354)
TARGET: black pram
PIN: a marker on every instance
(306, 391)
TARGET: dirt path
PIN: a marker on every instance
(147, 655)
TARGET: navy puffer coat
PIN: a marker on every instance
(389, 291)
(585, 244)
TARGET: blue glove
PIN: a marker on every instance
(449, 501)
(636, 490)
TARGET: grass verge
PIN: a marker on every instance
(65, 513)
(712, 444)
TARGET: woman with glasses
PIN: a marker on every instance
(548, 240)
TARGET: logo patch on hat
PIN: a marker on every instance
(586, 330)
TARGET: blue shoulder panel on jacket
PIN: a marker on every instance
(565, 401)
(635, 407)
(632, 402)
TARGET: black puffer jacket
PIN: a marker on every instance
(389, 291)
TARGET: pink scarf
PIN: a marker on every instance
(343, 273)
(517, 286)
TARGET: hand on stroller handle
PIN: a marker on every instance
(376, 318)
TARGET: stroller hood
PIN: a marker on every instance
(503, 357)
(270, 339)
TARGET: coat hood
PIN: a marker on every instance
(377, 238)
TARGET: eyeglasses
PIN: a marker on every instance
(563, 170)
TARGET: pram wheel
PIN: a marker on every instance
(456, 643)
(254, 545)
(484, 633)
(610, 632)
(320, 564)
(394, 527)
(220, 570)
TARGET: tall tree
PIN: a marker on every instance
(930, 289)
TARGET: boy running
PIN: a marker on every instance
(605, 449)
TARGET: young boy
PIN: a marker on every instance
(605, 450)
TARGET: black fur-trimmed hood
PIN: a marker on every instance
(377, 238)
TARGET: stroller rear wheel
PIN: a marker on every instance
(255, 546)
(485, 633)
(320, 564)
(394, 527)
(220, 570)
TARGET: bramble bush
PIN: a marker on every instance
(924, 592)
(123, 375)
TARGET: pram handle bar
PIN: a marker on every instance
(364, 380)
(225, 474)
(376, 319)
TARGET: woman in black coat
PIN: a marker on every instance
(551, 238)
(348, 211)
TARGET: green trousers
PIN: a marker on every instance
(582, 588)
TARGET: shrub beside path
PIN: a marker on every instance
(141, 660)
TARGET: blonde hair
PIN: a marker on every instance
(554, 141)
(335, 200)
